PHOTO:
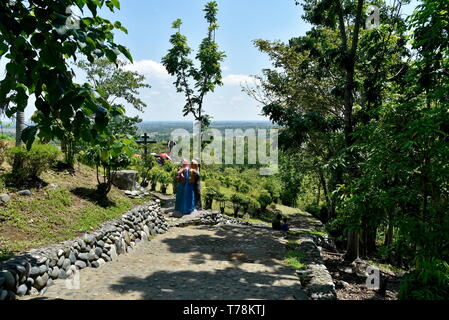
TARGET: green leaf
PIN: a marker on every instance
(29, 135)
(126, 53)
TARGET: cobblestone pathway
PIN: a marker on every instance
(197, 262)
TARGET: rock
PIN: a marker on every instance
(35, 271)
(34, 291)
(9, 282)
(125, 179)
(89, 239)
(41, 260)
(92, 256)
(41, 282)
(80, 264)
(60, 261)
(4, 198)
(113, 253)
(22, 290)
(66, 264)
(42, 269)
(81, 244)
(2, 281)
(60, 252)
(29, 282)
(120, 246)
(126, 237)
(62, 274)
(25, 193)
(101, 261)
(72, 257)
(98, 251)
(105, 257)
(54, 274)
(95, 264)
(101, 243)
(83, 256)
(50, 282)
(52, 263)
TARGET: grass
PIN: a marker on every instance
(56, 213)
(386, 268)
(292, 234)
(294, 259)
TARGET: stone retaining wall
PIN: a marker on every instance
(316, 280)
(210, 218)
(34, 271)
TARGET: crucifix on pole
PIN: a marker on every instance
(144, 140)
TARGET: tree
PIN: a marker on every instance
(110, 154)
(113, 81)
(37, 38)
(205, 77)
(325, 87)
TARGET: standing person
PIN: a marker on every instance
(185, 196)
(180, 183)
(196, 180)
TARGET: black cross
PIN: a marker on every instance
(145, 143)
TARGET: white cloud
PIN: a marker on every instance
(149, 67)
(238, 79)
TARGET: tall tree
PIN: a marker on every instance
(205, 77)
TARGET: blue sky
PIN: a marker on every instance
(241, 22)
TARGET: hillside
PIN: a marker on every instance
(63, 209)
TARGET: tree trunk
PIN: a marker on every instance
(352, 250)
(20, 124)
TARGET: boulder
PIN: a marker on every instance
(125, 179)
(25, 193)
(4, 198)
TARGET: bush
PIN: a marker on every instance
(214, 184)
(429, 281)
(243, 187)
(274, 188)
(264, 199)
(314, 210)
(31, 164)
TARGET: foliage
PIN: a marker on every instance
(30, 164)
(113, 81)
(205, 77)
(264, 199)
(108, 155)
(430, 281)
(37, 38)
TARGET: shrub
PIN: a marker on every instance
(164, 178)
(210, 195)
(30, 164)
(264, 199)
(243, 187)
(429, 281)
(274, 188)
(214, 184)
(314, 210)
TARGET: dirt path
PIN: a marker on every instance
(197, 262)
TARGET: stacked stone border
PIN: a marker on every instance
(315, 279)
(33, 272)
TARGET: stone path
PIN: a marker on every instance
(197, 262)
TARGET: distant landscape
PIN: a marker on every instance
(161, 130)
